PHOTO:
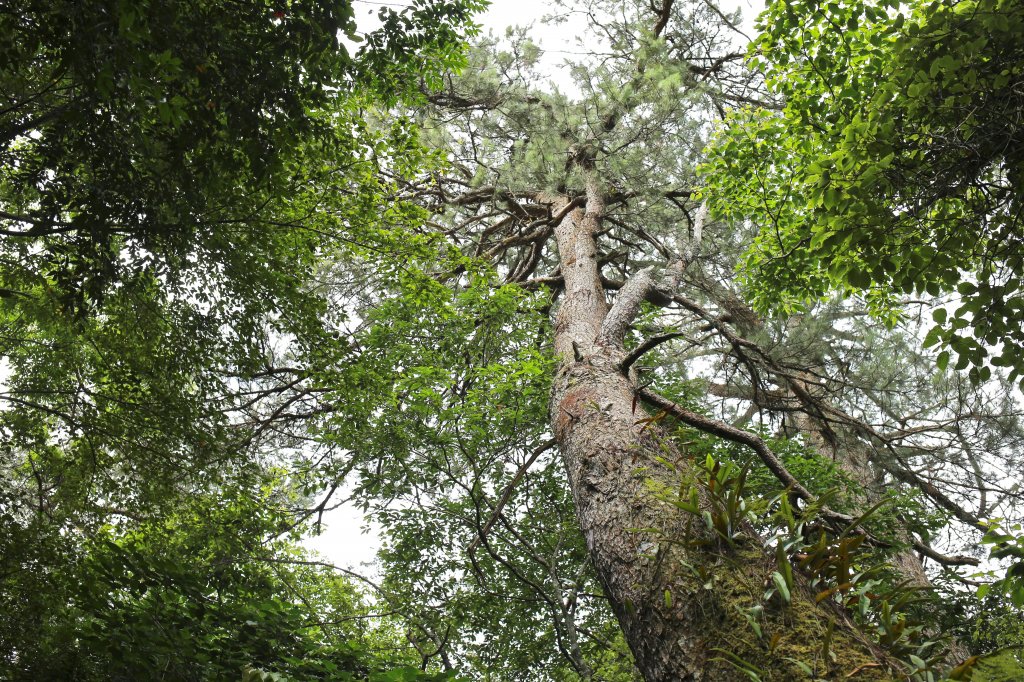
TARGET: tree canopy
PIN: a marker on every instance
(172, 177)
(537, 332)
(892, 164)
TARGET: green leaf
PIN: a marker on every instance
(780, 584)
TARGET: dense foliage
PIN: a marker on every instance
(172, 177)
(892, 165)
(247, 270)
(206, 592)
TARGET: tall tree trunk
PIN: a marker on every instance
(682, 599)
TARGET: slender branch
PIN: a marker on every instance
(693, 244)
(647, 346)
(731, 433)
(507, 494)
(958, 560)
(325, 564)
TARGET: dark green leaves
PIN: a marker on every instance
(206, 592)
(176, 179)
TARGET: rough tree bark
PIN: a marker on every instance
(679, 595)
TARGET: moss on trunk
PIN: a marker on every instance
(725, 591)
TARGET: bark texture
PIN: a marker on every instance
(682, 599)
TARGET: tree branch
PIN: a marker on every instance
(646, 347)
(625, 308)
(774, 464)
(735, 435)
(507, 494)
(663, 16)
(958, 560)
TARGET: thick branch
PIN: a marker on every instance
(663, 16)
(626, 307)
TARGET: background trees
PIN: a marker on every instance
(172, 176)
(210, 591)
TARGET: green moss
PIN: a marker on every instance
(770, 640)
(1004, 666)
